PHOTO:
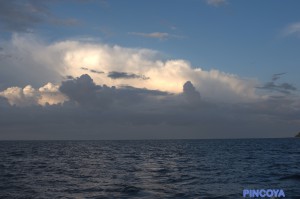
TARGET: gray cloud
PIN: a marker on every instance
(82, 90)
(23, 65)
(102, 112)
(284, 88)
(156, 35)
(96, 71)
(92, 70)
(277, 76)
(124, 75)
(86, 93)
(190, 92)
(216, 3)
(20, 16)
(292, 29)
(24, 15)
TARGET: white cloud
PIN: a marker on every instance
(157, 35)
(292, 29)
(20, 97)
(28, 61)
(40, 63)
(28, 96)
(216, 2)
(195, 109)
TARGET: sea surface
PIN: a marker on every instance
(148, 169)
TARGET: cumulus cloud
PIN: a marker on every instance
(37, 63)
(190, 92)
(82, 90)
(86, 93)
(19, 96)
(49, 94)
(29, 62)
(216, 3)
(92, 111)
(28, 96)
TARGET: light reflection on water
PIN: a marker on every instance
(148, 169)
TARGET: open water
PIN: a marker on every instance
(148, 169)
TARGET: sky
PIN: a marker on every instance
(108, 69)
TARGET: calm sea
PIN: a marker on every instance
(148, 169)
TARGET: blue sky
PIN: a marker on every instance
(210, 68)
(241, 37)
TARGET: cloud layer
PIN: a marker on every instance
(33, 62)
(98, 91)
(81, 109)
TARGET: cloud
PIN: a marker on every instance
(86, 93)
(284, 88)
(156, 35)
(292, 29)
(277, 76)
(82, 90)
(96, 71)
(92, 111)
(36, 63)
(49, 95)
(28, 96)
(216, 3)
(124, 75)
(24, 16)
(190, 92)
(77, 103)
(91, 70)
(21, 15)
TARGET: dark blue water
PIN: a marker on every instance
(148, 169)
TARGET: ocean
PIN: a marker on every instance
(148, 168)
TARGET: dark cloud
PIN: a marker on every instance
(272, 86)
(69, 77)
(277, 76)
(96, 71)
(82, 90)
(143, 91)
(20, 16)
(24, 15)
(190, 92)
(124, 75)
(92, 70)
(284, 88)
(102, 112)
(86, 93)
